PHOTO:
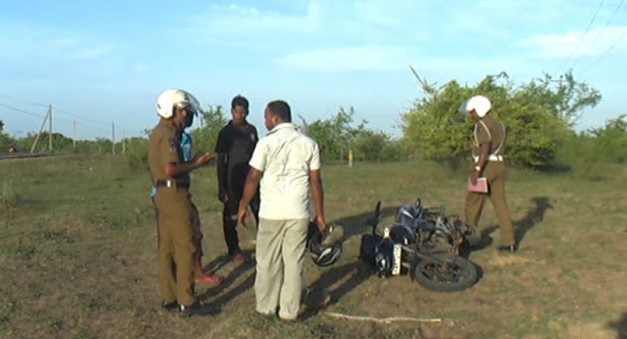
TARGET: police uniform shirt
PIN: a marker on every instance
(163, 148)
(237, 144)
(489, 131)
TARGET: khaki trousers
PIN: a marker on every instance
(280, 255)
(175, 214)
(494, 172)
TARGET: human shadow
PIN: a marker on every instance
(334, 284)
(359, 224)
(223, 298)
(533, 217)
(620, 326)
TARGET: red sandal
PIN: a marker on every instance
(210, 279)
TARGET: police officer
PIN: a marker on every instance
(186, 144)
(170, 175)
(235, 145)
(488, 147)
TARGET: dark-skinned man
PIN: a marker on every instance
(488, 147)
(173, 204)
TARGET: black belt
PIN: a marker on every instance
(173, 183)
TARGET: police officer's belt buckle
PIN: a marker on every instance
(491, 157)
(172, 183)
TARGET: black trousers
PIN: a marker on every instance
(229, 220)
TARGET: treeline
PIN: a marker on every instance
(539, 115)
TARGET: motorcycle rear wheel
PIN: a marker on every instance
(445, 272)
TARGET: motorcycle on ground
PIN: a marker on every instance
(423, 243)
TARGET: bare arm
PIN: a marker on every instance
(484, 150)
(222, 171)
(250, 188)
(174, 169)
(317, 193)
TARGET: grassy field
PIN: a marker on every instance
(78, 258)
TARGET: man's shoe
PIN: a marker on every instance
(196, 308)
(169, 307)
(508, 248)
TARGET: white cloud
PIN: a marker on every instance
(47, 44)
(574, 44)
(92, 53)
(141, 68)
(347, 59)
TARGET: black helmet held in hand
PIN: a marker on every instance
(325, 248)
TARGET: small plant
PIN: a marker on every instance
(9, 199)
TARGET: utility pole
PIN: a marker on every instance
(113, 138)
(74, 143)
(50, 128)
(43, 124)
(123, 142)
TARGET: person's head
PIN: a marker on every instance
(239, 109)
(276, 112)
(477, 107)
(178, 107)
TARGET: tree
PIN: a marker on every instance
(336, 135)
(5, 139)
(567, 100)
(211, 122)
(537, 118)
(611, 140)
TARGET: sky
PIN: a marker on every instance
(103, 63)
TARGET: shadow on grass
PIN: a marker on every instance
(219, 291)
(533, 217)
(357, 224)
(349, 276)
(620, 326)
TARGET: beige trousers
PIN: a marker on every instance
(280, 255)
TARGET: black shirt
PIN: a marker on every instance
(235, 147)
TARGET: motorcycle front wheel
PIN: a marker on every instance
(445, 272)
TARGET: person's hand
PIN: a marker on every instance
(203, 159)
(223, 197)
(474, 176)
(242, 214)
(322, 223)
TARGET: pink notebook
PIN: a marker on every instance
(480, 187)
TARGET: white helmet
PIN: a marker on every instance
(479, 103)
(176, 98)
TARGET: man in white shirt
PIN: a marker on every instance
(287, 164)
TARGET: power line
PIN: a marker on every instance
(604, 54)
(607, 24)
(57, 110)
(22, 111)
(23, 101)
(582, 37)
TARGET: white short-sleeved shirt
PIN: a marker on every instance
(285, 156)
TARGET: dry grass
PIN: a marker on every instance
(78, 258)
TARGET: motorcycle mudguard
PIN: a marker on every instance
(367, 249)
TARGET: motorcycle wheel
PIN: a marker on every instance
(445, 272)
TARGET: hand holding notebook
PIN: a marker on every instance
(480, 187)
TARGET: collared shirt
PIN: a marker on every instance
(489, 131)
(186, 149)
(164, 147)
(286, 157)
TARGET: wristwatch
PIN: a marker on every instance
(478, 168)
